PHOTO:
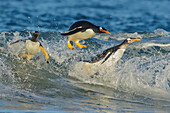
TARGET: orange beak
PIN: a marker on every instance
(136, 39)
(37, 33)
(105, 31)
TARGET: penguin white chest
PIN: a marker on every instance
(31, 47)
(118, 54)
(114, 57)
(82, 35)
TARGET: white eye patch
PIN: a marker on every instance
(101, 28)
(128, 39)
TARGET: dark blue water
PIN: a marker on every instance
(57, 15)
(139, 82)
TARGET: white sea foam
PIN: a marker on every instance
(141, 75)
(136, 73)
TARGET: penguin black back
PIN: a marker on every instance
(83, 24)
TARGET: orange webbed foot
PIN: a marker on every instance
(79, 45)
(69, 45)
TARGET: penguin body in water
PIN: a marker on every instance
(32, 46)
(109, 56)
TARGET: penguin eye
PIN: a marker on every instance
(101, 28)
(128, 39)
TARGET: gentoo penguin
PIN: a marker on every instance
(82, 30)
(32, 47)
(111, 55)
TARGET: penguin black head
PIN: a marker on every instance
(35, 36)
(102, 30)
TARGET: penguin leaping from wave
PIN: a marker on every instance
(82, 30)
(32, 47)
(110, 55)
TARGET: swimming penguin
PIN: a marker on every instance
(82, 30)
(110, 55)
(32, 47)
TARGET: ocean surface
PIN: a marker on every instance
(139, 82)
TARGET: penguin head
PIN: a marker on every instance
(102, 30)
(131, 40)
(35, 36)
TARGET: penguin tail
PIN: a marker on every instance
(71, 32)
(64, 34)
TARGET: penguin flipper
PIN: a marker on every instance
(17, 41)
(71, 32)
(45, 53)
(109, 55)
(101, 56)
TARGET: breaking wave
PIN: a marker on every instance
(142, 74)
